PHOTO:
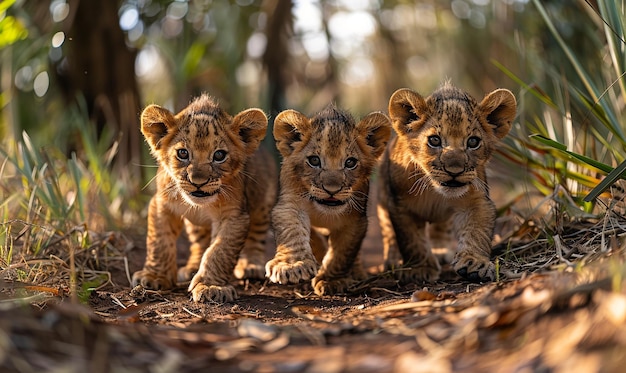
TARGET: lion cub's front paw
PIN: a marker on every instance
(201, 291)
(153, 281)
(282, 271)
(393, 259)
(426, 270)
(475, 267)
(249, 269)
(324, 286)
(186, 273)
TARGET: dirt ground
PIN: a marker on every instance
(561, 310)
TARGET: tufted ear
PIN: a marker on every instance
(251, 125)
(290, 127)
(499, 109)
(376, 127)
(407, 110)
(156, 123)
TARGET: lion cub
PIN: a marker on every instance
(214, 181)
(324, 180)
(434, 171)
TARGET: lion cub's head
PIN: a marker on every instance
(449, 136)
(202, 148)
(328, 159)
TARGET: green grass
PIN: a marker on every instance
(572, 133)
(57, 209)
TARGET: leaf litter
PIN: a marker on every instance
(559, 305)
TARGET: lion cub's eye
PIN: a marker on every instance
(473, 142)
(434, 141)
(219, 156)
(182, 154)
(314, 161)
(350, 163)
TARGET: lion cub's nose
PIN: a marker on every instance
(454, 170)
(331, 181)
(331, 189)
(198, 175)
(198, 180)
(453, 162)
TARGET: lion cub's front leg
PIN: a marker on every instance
(475, 229)
(199, 239)
(341, 267)
(211, 282)
(419, 263)
(251, 263)
(294, 261)
(159, 271)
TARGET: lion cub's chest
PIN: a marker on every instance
(202, 218)
(430, 206)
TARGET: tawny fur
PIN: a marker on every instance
(214, 181)
(324, 180)
(434, 172)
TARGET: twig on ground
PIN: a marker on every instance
(117, 301)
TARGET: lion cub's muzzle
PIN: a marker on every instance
(331, 189)
(201, 194)
(331, 201)
(453, 183)
(454, 167)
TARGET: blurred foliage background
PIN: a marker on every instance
(75, 75)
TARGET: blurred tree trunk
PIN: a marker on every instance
(276, 56)
(100, 66)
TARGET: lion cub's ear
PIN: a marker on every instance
(499, 108)
(156, 123)
(407, 110)
(376, 128)
(290, 127)
(251, 126)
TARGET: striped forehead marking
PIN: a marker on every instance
(203, 123)
(454, 111)
(333, 127)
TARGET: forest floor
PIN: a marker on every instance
(561, 309)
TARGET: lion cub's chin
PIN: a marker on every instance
(200, 198)
(329, 205)
(452, 191)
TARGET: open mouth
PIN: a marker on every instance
(202, 194)
(453, 184)
(329, 201)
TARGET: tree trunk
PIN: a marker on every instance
(276, 56)
(101, 68)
